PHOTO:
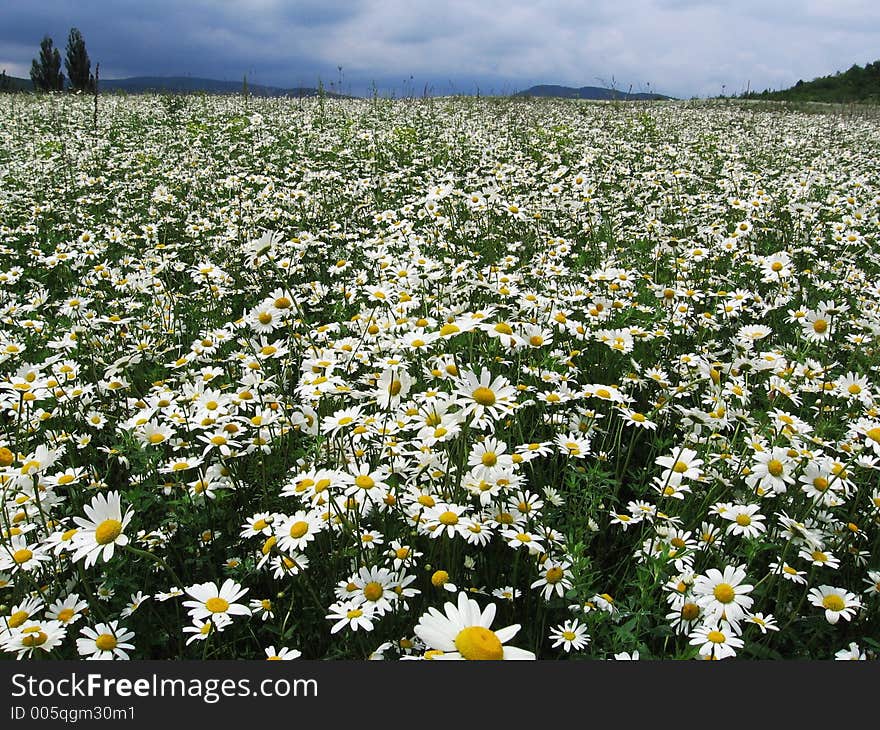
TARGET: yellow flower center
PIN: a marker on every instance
(820, 326)
(536, 340)
(395, 387)
(448, 518)
(820, 483)
(690, 611)
(743, 520)
(22, 555)
(477, 642)
(554, 575)
(282, 303)
(716, 637)
(724, 593)
(489, 459)
(833, 602)
(65, 614)
(106, 642)
(373, 591)
(775, 467)
(34, 636)
(679, 467)
(217, 604)
(298, 529)
(107, 531)
(484, 396)
(439, 578)
(18, 618)
(449, 329)
(874, 434)
(365, 481)
(354, 613)
(503, 328)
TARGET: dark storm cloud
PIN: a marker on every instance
(681, 47)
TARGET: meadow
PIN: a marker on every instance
(437, 379)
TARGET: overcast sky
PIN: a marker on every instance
(682, 48)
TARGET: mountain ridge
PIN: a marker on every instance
(195, 84)
(588, 92)
(189, 84)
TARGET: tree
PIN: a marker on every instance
(46, 73)
(77, 62)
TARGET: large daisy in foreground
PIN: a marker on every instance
(102, 529)
(464, 633)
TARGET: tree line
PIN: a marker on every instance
(46, 73)
(858, 83)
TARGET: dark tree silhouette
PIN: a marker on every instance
(77, 62)
(46, 73)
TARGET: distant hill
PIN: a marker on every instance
(12, 83)
(857, 84)
(588, 92)
(186, 85)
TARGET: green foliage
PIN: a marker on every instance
(856, 84)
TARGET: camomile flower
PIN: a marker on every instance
(443, 518)
(484, 399)
(521, 538)
(375, 588)
(19, 555)
(262, 608)
(298, 530)
(102, 529)
(574, 445)
(819, 558)
(134, 604)
(683, 463)
(351, 615)
(104, 641)
(392, 386)
(837, 602)
(723, 595)
(282, 654)
(464, 632)
(200, 630)
(32, 636)
(554, 579)
(625, 656)
(21, 612)
(773, 470)
(716, 641)
(765, 623)
(570, 635)
(851, 653)
(213, 602)
(745, 520)
(440, 579)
